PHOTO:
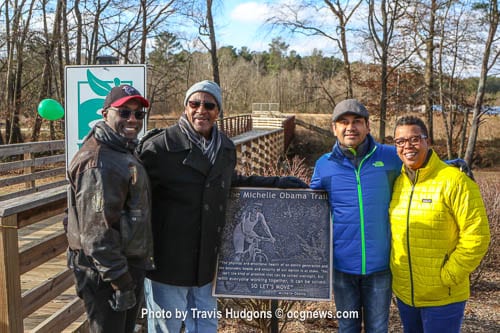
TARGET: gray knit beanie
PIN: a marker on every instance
(206, 86)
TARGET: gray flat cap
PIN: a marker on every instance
(352, 106)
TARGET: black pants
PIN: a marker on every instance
(96, 293)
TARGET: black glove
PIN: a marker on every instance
(122, 300)
(291, 182)
(462, 165)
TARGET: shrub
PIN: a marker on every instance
(490, 191)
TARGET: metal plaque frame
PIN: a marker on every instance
(276, 244)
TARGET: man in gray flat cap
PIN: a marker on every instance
(191, 168)
(358, 175)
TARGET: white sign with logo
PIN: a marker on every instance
(86, 89)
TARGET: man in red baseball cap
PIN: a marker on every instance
(109, 230)
(123, 111)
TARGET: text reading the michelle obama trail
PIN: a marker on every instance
(276, 244)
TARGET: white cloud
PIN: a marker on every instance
(250, 12)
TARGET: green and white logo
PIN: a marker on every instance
(86, 90)
(89, 110)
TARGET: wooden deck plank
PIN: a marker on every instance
(43, 275)
(69, 312)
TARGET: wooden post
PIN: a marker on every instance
(274, 319)
(29, 169)
(11, 320)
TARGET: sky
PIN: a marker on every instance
(241, 23)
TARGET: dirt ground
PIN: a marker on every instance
(482, 312)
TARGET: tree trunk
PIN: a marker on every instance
(79, 32)
(429, 71)
(213, 43)
(494, 17)
(463, 134)
(20, 30)
(144, 31)
(383, 100)
(347, 64)
(45, 89)
(213, 54)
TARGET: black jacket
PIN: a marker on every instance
(189, 204)
(109, 209)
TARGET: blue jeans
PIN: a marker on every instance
(432, 319)
(369, 295)
(168, 306)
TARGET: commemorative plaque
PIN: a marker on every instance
(276, 245)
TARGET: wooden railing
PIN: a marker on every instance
(236, 125)
(232, 126)
(269, 120)
(258, 152)
(31, 167)
(26, 255)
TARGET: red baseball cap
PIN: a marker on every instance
(121, 95)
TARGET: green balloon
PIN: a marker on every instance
(50, 109)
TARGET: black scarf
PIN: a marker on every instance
(105, 134)
(209, 148)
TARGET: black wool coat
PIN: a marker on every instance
(189, 198)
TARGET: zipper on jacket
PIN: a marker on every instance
(412, 291)
(361, 212)
(446, 257)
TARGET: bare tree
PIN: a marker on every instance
(490, 57)
(423, 19)
(18, 19)
(382, 24)
(47, 74)
(288, 16)
(213, 43)
(429, 67)
(202, 15)
(454, 31)
(122, 29)
(79, 32)
(422, 30)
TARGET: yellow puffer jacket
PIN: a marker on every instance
(440, 233)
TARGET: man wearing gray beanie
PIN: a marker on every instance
(191, 168)
(209, 87)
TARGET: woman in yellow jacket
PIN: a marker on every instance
(440, 234)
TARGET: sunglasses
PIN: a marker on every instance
(196, 104)
(125, 113)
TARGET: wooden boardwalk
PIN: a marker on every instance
(32, 235)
